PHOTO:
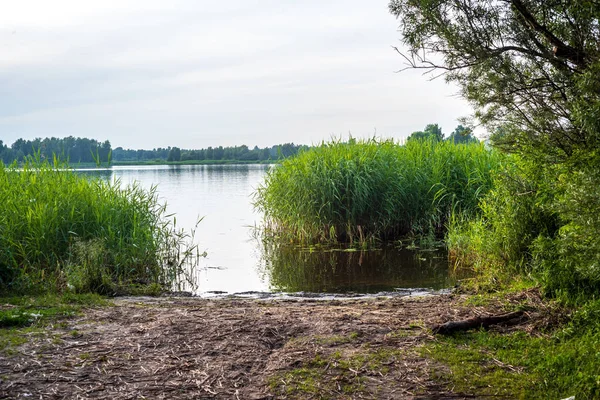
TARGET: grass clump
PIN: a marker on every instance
(26, 310)
(59, 229)
(365, 191)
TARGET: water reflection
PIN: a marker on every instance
(291, 269)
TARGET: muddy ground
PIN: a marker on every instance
(178, 348)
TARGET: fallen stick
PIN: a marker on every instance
(476, 322)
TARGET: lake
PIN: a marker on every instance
(238, 261)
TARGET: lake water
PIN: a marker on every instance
(238, 262)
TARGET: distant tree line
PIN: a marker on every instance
(233, 153)
(84, 150)
(75, 150)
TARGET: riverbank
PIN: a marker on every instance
(252, 349)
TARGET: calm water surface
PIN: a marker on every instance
(238, 262)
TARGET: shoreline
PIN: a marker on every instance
(261, 295)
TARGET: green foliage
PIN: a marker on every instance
(513, 217)
(214, 155)
(90, 152)
(363, 191)
(76, 150)
(462, 135)
(88, 269)
(59, 229)
(174, 154)
(532, 71)
(431, 132)
(569, 262)
(529, 68)
(540, 221)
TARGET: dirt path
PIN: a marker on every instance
(237, 349)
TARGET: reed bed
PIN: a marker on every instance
(59, 229)
(368, 191)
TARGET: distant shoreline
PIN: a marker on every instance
(161, 162)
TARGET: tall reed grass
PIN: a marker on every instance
(364, 191)
(59, 229)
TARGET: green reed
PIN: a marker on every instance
(59, 229)
(365, 191)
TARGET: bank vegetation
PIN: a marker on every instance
(62, 231)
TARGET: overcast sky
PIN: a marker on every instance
(198, 73)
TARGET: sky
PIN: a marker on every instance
(199, 73)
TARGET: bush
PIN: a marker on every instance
(513, 216)
(541, 221)
(570, 262)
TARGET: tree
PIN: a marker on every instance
(19, 145)
(462, 135)
(218, 153)
(174, 154)
(529, 67)
(104, 151)
(431, 132)
(265, 154)
(5, 153)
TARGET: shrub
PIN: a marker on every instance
(541, 221)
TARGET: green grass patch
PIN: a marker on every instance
(332, 375)
(27, 310)
(21, 318)
(505, 293)
(558, 365)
